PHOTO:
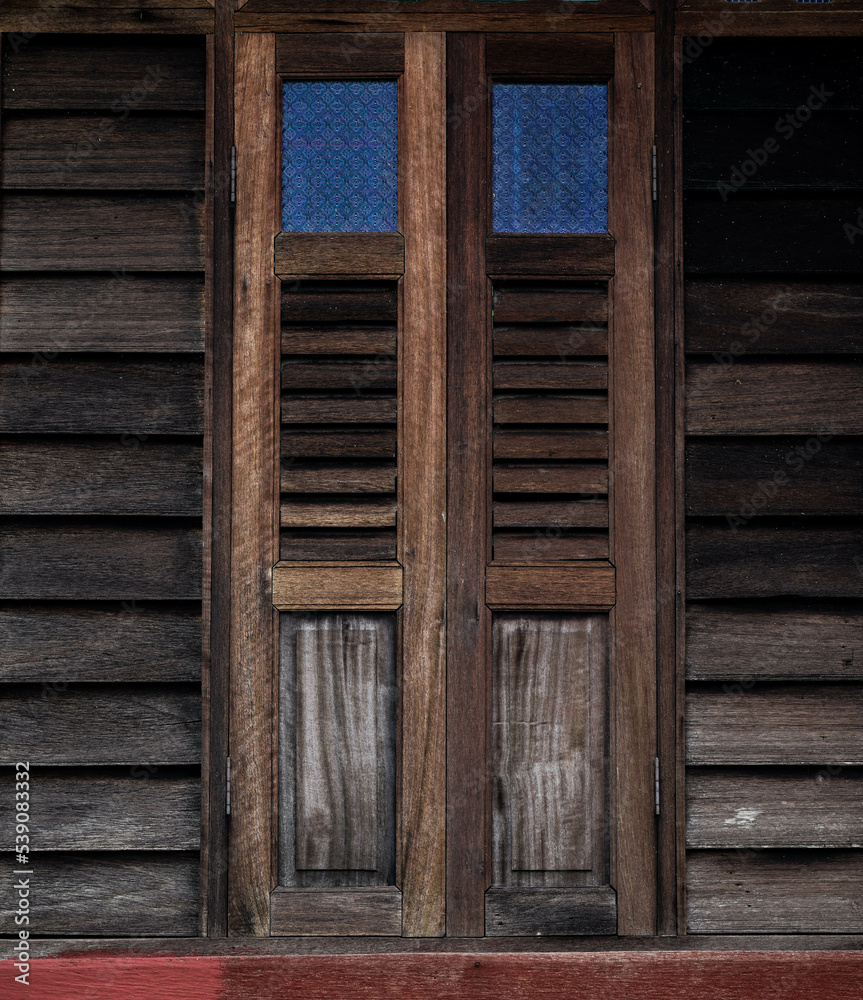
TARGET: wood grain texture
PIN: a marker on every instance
(152, 810)
(561, 513)
(112, 232)
(516, 303)
(423, 485)
(20, 16)
(545, 375)
(250, 855)
(121, 312)
(539, 338)
(347, 586)
(541, 912)
(550, 56)
(585, 587)
(339, 340)
(774, 642)
(39, 643)
(767, 398)
(760, 808)
(353, 374)
(141, 724)
(507, 254)
(340, 253)
(329, 409)
(336, 302)
(782, 724)
(339, 514)
(339, 479)
(360, 544)
(787, 22)
(145, 893)
(365, 911)
(313, 55)
(545, 444)
(338, 444)
(100, 477)
(541, 546)
(774, 891)
(550, 479)
(549, 409)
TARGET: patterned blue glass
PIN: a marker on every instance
(340, 156)
(550, 158)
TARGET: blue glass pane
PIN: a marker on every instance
(550, 158)
(339, 157)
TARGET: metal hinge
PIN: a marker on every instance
(655, 173)
(655, 786)
(233, 174)
(228, 787)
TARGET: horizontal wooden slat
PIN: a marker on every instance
(588, 256)
(776, 724)
(812, 236)
(129, 724)
(104, 396)
(548, 409)
(68, 561)
(782, 892)
(540, 912)
(121, 312)
(783, 642)
(339, 479)
(340, 253)
(771, 561)
(338, 410)
(730, 807)
(332, 302)
(543, 546)
(563, 514)
(196, 18)
(545, 375)
(375, 911)
(106, 74)
(313, 55)
(550, 479)
(101, 232)
(743, 477)
(747, 316)
(529, 304)
(543, 445)
(587, 587)
(148, 810)
(549, 55)
(140, 893)
(356, 375)
(337, 587)
(769, 398)
(339, 514)
(100, 477)
(107, 153)
(41, 643)
(339, 340)
(564, 341)
(339, 444)
(358, 544)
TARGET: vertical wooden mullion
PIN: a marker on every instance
(254, 509)
(422, 473)
(632, 463)
(468, 496)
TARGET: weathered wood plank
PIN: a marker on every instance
(562, 513)
(131, 724)
(364, 911)
(570, 256)
(337, 410)
(544, 375)
(20, 16)
(339, 302)
(338, 444)
(313, 55)
(777, 724)
(550, 55)
(44, 642)
(548, 409)
(541, 912)
(550, 479)
(339, 479)
(773, 642)
(100, 477)
(339, 514)
(379, 373)
(785, 892)
(339, 340)
(71, 561)
(543, 546)
(79, 232)
(588, 587)
(761, 808)
(543, 445)
(527, 303)
(769, 398)
(361, 545)
(561, 340)
(336, 586)
(123, 312)
(340, 254)
(149, 809)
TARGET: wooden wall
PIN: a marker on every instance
(101, 461)
(774, 486)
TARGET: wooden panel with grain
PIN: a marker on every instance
(774, 892)
(522, 303)
(550, 56)
(539, 912)
(339, 254)
(775, 724)
(111, 232)
(347, 586)
(147, 809)
(767, 398)
(550, 338)
(557, 514)
(339, 340)
(337, 444)
(357, 375)
(362, 513)
(375, 911)
(320, 545)
(549, 409)
(339, 479)
(550, 479)
(773, 642)
(544, 375)
(105, 724)
(329, 55)
(120, 312)
(540, 446)
(760, 808)
(508, 254)
(338, 409)
(546, 545)
(334, 302)
(550, 587)
(42, 642)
